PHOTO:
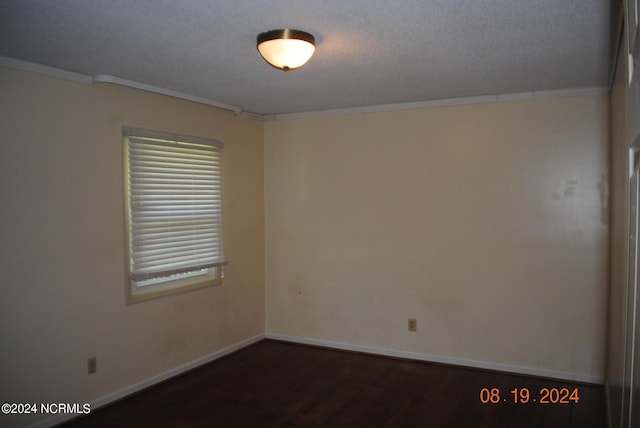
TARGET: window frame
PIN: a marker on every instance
(201, 277)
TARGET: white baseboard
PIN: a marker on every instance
(110, 398)
(532, 371)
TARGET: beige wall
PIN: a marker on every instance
(62, 260)
(488, 223)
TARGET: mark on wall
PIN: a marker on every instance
(569, 187)
(567, 190)
(603, 186)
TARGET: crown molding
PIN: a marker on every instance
(238, 112)
(44, 69)
(447, 102)
(106, 78)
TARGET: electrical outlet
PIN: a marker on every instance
(92, 365)
(413, 324)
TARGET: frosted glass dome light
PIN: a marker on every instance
(286, 49)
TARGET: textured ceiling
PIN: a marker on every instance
(369, 52)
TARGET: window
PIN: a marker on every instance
(173, 213)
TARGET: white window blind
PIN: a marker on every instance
(174, 207)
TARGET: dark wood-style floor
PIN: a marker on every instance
(276, 384)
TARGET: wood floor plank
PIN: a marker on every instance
(429, 380)
(338, 387)
(284, 385)
(448, 400)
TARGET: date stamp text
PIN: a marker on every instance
(524, 395)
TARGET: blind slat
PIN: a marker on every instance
(174, 205)
(164, 139)
(157, 245)
(192, 262)
(171, 166)
(151, 232)
(187, 157)
(174, 255)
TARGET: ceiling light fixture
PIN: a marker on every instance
(286, 49)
